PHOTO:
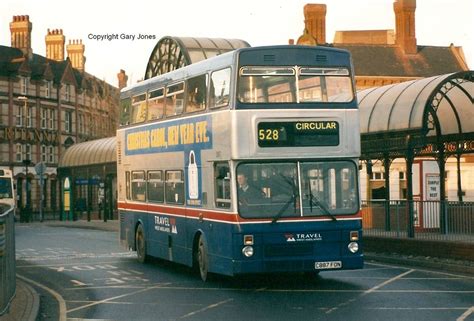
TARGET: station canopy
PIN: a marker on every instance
(171, 53)
(429, 117)
(94, 152)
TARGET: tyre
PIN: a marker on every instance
(140, 242)
(202, 259)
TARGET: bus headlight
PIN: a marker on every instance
(247, 251)
(353, 247)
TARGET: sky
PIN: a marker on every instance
(259, 22)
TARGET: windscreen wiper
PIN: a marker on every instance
(314, 201)
(287, 204)
(283, 209)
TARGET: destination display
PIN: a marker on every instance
(298, 134)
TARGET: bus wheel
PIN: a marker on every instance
(141, 244)
(202, 259)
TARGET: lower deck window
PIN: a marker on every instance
(138, 186)
(174, 187)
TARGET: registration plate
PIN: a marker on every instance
(328, 265)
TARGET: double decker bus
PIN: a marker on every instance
(246, 162)
(7, 192)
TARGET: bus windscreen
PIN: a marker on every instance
(294, 85)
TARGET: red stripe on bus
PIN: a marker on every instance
(218, 216)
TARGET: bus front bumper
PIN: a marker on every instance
(295, 265)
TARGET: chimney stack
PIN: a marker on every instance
(315, 21)
(122, 79)
(405, 25)
(75, 52)
(55, 44)
(20, 29)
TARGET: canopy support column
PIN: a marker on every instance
(458, 172)
(443, 209)
(386, 163)
(409, 158)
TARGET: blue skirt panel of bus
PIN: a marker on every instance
(278, 247)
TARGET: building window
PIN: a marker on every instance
(91, 126)
(49, 87)
(51, 155)
(377, 176)
(52, 118)
(44, 156)
(29, 117)
(67, 94)
(402, 176)
(44, 118)
(68, 121)
(81, 123)
(19, 152)
(24, 85)
(19, 116)
(27, 151)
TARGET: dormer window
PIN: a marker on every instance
(49, 87)
(68, 93)
(24, 82)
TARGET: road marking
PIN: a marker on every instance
(388, 282)
(206, 308)
(78, 319)
(130, 286)
(423, 270)
(75, 256)
(426, 308)
(65, 264)
(466, 314)
(114, 298)
(57, 296)
(126, 286)
(371, 290)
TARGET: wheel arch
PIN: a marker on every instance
(196, 237)
(137, 223)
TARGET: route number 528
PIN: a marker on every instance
(268, 134)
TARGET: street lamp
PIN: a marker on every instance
(26, 161)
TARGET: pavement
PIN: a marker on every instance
(25, 305)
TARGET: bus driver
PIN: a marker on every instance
(248, 195)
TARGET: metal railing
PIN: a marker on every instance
(7, 257)
(432, 220)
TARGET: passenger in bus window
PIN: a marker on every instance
(248, 195)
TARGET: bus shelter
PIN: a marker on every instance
(171, 53)
(91, 170)
(425, 118)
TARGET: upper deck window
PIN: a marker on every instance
(156, 104)
(196, 94)
(220, 88)
(139, 108)
(294, 85)
(175, 99)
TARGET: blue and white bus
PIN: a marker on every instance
(244, 163)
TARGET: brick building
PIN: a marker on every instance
(383, 57)
(46, 105)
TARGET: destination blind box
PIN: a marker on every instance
(298, 134)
